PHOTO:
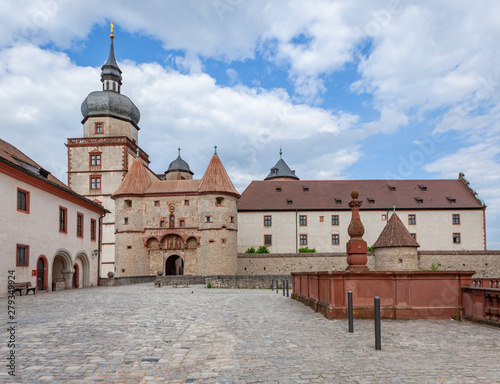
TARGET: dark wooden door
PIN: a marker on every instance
(40, 273)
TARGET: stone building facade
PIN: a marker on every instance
(180, 226)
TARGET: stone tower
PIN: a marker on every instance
(98, 161)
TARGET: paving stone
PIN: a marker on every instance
(142, 334)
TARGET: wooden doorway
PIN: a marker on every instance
(76, 276)
(41, 274)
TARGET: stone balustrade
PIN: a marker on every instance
(482, 303)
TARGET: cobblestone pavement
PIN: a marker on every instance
(142, 334)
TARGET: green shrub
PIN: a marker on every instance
(250, 250)
(262, 249)
(307, 250)
(209, 284)
(370, 249)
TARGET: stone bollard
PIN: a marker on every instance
(159, 274)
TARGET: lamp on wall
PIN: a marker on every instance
(94, 253)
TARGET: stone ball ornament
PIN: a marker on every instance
(111, 274)
(159, 272)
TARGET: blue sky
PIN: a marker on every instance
(350, 90)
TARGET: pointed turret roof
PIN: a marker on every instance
(110, 69)
(281, 169)
(216, 179)
(137, 181)
(395, 234)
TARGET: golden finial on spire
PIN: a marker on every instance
(112, 27)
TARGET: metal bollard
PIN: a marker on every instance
(283, 287)
(378, 340)
(350, 311)
(277, 285)
(272, 285)
(287, 292)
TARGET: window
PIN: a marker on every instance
(414, 235)
(125, 221)
(157, 203)
(211, 241)
(181, 223)
(392, 188)
(92, 229)
(162, 223)
(383, 217)
(208, 219)
(268, 240)
(423, 188)
(456, 238)
(338, 201)
(306, 189)
(267, 221)
(289, 202)
(371, 201)
(452, 200)
(420, 201)
(456, 219)
(231, 219)
(186, 202)
(321, 219)
(412, 219)
(95, 160)
(95, 182)
(79, 224)
(223, 241)
(303, 239)
(335, 239)
(22, 255)
(23, 201)
(278, 189)
(98, 128)
(218, 201)
(63, 215)
(335, 219)
(303, 220)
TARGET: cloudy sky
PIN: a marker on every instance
(349, 89)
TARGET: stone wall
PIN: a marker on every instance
(237, 281)
(485, 263)
(286, 263)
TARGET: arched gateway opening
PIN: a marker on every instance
(174, 265)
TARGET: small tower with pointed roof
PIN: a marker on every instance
(281, 171)
(395, 248)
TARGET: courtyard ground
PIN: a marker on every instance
(142, 334)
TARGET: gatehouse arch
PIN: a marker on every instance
(174, 265)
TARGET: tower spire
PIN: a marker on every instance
(281, 153)
(111, 75)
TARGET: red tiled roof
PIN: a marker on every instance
(137, 180)
(14, 155)
(216, 179)
(324, 194)
(395, 234)
(141, 180)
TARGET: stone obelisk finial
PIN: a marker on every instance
(356, 247)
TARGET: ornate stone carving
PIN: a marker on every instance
(356, 247)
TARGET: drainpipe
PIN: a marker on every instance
(296, 232)
(99, 247)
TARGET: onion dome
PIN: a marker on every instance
(179, 165)
(109, 101)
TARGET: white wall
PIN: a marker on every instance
(40, 230)
(433, 228)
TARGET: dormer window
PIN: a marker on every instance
(392, 188)
(371, 201)
(278, 189)
(289, 202)
(306, 189)
(338, 201)
(423, 188)
(419, 201)
(451, 200)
